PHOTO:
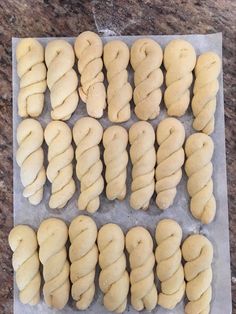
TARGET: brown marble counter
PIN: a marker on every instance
(37, 18)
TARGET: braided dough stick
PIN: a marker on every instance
(83, 256)
(206, 86)
(139, 245)
(170, 159)
(119, 91)
(179, 61)
(113, 278)
(25, 261)
(197, 251)
(60, 170)
(169, 268)
(143, 158)
(199, 149)
(61, 79)
(30, 158)
(87, 134)
(32, 73)
(115, 140)
(52, 236)
(88, 49)
(146, 59)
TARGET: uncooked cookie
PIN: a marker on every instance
(146, 59)
(119, 90)
(30, 157)
(25, 261)
(179, 61)
(88, 50)
(62, 79)
(32, 73)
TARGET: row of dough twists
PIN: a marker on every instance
(145, 56)
(88, 246)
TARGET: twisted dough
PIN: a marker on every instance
(83, 256)
(30, 158)
(60, 170)
(23, 242)
(119, 91)
(146, 59)
(197, 251)
(169, 268)
(179, 61)
(87, 134)
(115, 140)
(199, 149)
(88, 50)
(61, 79)
(170, 159)
(143, 158)
(32, 73)
(113, 279)
(52, 236)
(143, 290)
(205, 89)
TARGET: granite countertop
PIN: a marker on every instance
(38, 18)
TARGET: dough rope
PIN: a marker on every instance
(83, 256)
(113, 278)
(62, 79)
(115, 140)
(179, 61)
(169, 268)
(88, 50)
(139, 245)
(52, 236)
(205, 89)
(197, 251)
(32, 73)
(119, 91)
(170, 158)
(60, 170)
(199, 149)
(30, 158)
(146, 59)
(87, 134)
(143, 158)
(25, 261)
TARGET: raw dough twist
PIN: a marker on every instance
(30, 158)
(169, 268)
(139, 244)
(199, 149)
(83, 256)
(206, 86)
(87, 134)
(62, 79)
(32, 73)
(25, 261)
(197, 251)
(119, 91)
(146, 59)
(115, 140)
(143, 158)
(60, 170)
(170, 159)
(88, 50)
(113, 278)
(52, 236)
(179, 61)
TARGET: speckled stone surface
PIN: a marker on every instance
(122, 17)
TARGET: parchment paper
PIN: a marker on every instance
(120, 212)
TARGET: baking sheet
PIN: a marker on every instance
(120, 212)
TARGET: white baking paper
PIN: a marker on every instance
(120, 212)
